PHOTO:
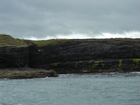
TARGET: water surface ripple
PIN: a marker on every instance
(73, 89)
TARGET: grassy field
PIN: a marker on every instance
(7, 40)
(49, 42)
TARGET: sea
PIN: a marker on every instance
(73, 89)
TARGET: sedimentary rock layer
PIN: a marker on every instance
(87, 55)
(73, 55)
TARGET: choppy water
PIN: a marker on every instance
(73, 89)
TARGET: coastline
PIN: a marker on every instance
(27, 73)
(66, 56)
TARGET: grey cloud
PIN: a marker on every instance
(41, 18)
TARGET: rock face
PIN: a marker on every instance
(27, 74)
(11, 56)
(73, 55)
(13, 52)
(88, 55)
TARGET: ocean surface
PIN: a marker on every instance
(73, 89)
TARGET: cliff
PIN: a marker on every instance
(13, 52)
(74, 55)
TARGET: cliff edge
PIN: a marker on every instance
(73, 55)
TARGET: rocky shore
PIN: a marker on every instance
(26, 73)
(71, 55)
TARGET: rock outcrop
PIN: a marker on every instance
(11, 56)
(13, 52)
(74, 55)
(26, 73)
(87, 55)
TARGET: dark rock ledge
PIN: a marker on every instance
(26, 73)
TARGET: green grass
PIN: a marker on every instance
(136, 62)
(7, 40)
(49, 42)
(120, 62)
(96, 63)
(78, 63)
(55, 64)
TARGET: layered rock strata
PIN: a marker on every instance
(87, 55)
(73, 55)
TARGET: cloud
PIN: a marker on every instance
(57, 18)
(84, 36)
(71, 36)
(124, 35)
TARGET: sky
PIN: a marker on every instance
(49, 19)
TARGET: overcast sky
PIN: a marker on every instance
(45, 19)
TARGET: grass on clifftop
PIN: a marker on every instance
(49, 42)
(91, 41)
(7, 40)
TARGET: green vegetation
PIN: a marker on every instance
(120, 63)
(21, 41)
(78, 63)
(49, 42)
(90, 61)
(96, 63)
(55, 64)
(136, 62)
(7, 40)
